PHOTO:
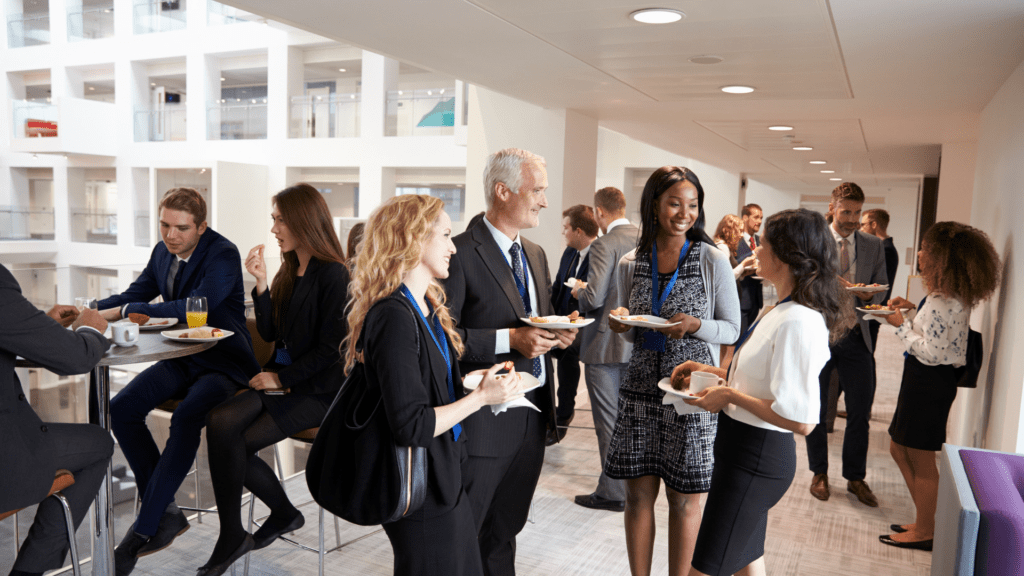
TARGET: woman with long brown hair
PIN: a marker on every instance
(727, 238)
(405, 337)
(303, 314)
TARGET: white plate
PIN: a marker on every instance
(529, 381)
(877, 312)
(151, 326)
(176, 336)
(666, 386)
(757, 278)
(647, 322)
(559, 325)
(879, 288)
(571, 282)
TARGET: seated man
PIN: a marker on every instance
(32, 451)
(192, 260)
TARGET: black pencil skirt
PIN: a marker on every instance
(922, 409)
(753, 469)
(444, 545)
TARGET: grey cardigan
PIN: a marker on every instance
(723, 326)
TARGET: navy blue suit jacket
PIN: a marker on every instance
(215, 271)
(561, 295)
(751, 296)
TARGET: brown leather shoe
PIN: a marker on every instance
(819, 487)
(860, 489)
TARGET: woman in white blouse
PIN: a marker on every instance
(772, 391)
(960, 268)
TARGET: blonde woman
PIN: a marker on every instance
(406, 248)
(727, 239)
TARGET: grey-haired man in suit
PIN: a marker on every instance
(604, 354)
(861, 261)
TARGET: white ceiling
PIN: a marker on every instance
(874, 86)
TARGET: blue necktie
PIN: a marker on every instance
(524, 293)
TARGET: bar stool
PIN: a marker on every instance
(61, 481)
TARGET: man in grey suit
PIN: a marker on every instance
(861, 261)
(604, 354)
(31, 450)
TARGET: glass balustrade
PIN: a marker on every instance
(18, 223)
(28, 30)
(427, 112)
(91, 23)
(240, 120)
(142, 228)
(34, 119)
(150, 16)
(334, 116)
(220, 14)
(167, 125)
(93, 226)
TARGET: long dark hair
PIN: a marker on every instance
(801, 239)
(305, 212)
(660, 181)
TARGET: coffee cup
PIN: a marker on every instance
(125, 333)
(702, 380)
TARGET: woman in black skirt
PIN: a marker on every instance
(772, 391)
(303, 313)
(960, 268)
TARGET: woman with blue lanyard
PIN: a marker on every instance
(395, 294)
(772, 391)
(675, 273)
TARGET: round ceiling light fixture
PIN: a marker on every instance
(657, 16)
(818, 162)
(836, 179)
(706, 59)
(802, 148)
(780, 128)
(341, 70)
(737, 89)
(828, 171)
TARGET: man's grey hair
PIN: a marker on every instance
(506, 166)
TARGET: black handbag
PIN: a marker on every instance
(967, 375)
(354, 470)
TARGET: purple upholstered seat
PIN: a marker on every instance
(997, 480)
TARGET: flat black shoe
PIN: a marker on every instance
(267, 533)
(919, 545)
(897, 528)
(172, 524)
(217, 569)
(595, 502)
(127, 552)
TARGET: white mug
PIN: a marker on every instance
(125, 333)
(703, 380)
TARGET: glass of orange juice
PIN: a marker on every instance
(195, 311)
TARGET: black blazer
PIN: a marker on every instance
(892, 264)
(483, 299)
(559, 291)
(413, 380)
(26, 451)
(751, 294)
(215, 271)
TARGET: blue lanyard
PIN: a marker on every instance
(657, 299)
(750, 331)
(438, 336)
(523, 292)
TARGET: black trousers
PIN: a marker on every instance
(855, 365)
(444, 545)
(500, 491)
(85, 451)
(568, 368)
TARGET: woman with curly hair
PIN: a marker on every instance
(960, 268)
(403, 333)
(727, 238)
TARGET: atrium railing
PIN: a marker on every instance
(150, 16)
(167, 125)
(142, 228)
(427, 112)
(25, 223)
(334, 116)
(28, 30)
(93, 226)
(224, 14)
(91, 23)
(245, 120)
(34, 119)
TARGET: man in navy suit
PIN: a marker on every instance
(579, 228)
(751, 295)
(192, 260)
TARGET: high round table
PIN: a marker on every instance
(151, 347)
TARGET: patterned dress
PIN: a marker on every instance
(650, 438)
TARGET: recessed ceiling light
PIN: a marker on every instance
(152, 83)
(706, 59)
(399, 92)
(802, 148)
(221, 78)
(657, 16)
(341, 70)
(818, 162)
(780, 128)
(828, 171)
(738, 89)
(836, 179)
(91, 88)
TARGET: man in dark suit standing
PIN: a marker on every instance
(192, 260)
(495, 278)
(579, 228)
(876, 223)
(32, 451)
(751, 294)
(862, 261)
(605, 354)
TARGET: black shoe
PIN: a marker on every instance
(172, 524)
(271, 531)
(216, 570)
(561, 429)
(127, 552)
(919, 545)
(596, 502)
(897, 528)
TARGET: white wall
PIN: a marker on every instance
(769, 198)
(990, 416)
(956, 181)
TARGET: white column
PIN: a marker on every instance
(956, 181)
(202, 79)
(58, 22)
(380, 74)
(284, 71)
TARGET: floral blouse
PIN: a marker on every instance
(937, 334)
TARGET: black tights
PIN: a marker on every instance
(236, 431)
